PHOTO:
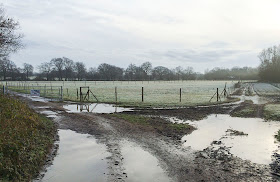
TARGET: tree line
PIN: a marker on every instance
(269, 69)
(67, 69)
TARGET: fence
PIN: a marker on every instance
(130, 92)
(49, 92)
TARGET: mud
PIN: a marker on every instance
(175, 162)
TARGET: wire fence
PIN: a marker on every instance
(131, 92)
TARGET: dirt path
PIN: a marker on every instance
(180, 163)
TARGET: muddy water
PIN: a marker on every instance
(94, 108)
(257, 146)
(255, 99)
(140, 165)
(80, 158)
(50, 114)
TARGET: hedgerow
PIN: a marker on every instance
(25, 140)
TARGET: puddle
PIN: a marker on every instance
(258, 146)
(79, 158)
(49, 113)
(255, 99)
(175, 120)
(140, 165)
(43, 107)
(33, 98)
(95, 108)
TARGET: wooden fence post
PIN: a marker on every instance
(116, 94)
(217, 94)
(61, 93)
(142, 94)
(81, 94)
(180, 94)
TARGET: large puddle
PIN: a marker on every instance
(94, 108)
(80, 158)
(258, 146)
(140, 165)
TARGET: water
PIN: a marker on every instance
(257, 147)
(255, 99)
(94, 108)
(80, 158)
(140, 165)
(50, 114)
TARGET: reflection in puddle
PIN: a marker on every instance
(80, 158)
(95, 108)
(140, 165)
(50, 114)
(258, 146)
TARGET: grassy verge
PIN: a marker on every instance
(25, 140)
(272, 112)
(162, 126)
(172, 105)
(278, 136)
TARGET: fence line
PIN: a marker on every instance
(164, 95)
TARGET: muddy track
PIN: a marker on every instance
(180, 163)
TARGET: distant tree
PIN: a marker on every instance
(4, 65)
(80, 69)
(92, 74)
(28, 70)
(130, 72)
(10, 40)
(58, 66)
(147, 68)
(162, 73)
(189, 74)
(269, 69)
(179, 72)
(110, 72)
(13, 70)
(45, 69)
(69, 68)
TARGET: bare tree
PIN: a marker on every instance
(46, 68)
(147, 68)
(130, 72)
(80, 70)
(69, 68)
(179, 72)
(58, 66)
(92, 73)
(4, 65)
(28, 70)
(10, 40)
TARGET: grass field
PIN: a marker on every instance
(156, 93)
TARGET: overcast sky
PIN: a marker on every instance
(198, 33)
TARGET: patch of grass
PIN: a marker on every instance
(248, 109)
(25, 139)
(236, 132)
(180, 126)
(246, 112)
(272, 112)
(162, 126)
